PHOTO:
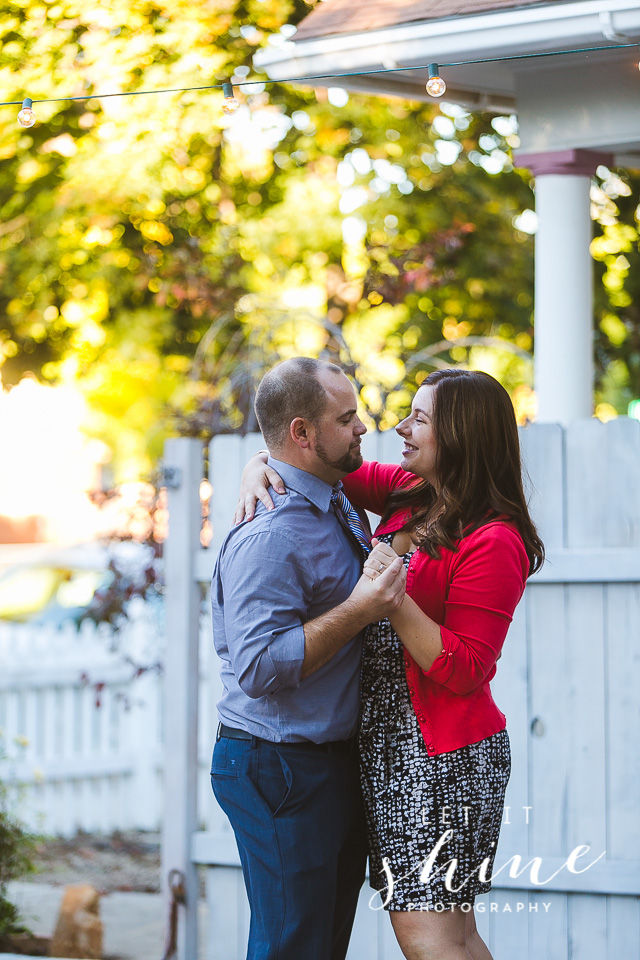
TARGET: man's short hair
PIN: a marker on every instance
(291, 389)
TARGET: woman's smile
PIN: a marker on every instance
(419, 424)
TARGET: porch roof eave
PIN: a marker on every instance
(506, 33)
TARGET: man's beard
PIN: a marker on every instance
(347, 463)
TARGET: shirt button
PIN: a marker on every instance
(429, 746)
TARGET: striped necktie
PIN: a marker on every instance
(353, 520)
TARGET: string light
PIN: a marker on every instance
(230, 104)
(328, 76)
(26, 117)
(435, 84)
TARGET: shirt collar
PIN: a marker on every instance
(312, 488)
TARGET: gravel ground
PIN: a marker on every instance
(122, 861)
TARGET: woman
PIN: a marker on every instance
(434, 748)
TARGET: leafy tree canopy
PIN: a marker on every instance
(161, 254)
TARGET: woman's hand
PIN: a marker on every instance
(379, 559)
(256, 479)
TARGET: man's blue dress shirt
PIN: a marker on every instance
(274, 574)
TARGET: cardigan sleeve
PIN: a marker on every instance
(369, 486)
(487, 579)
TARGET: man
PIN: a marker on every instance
(289, 607)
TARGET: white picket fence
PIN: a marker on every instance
(77, 757)
(569, 683)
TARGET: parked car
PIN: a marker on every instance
(93, 580)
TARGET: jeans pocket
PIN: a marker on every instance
(224, 763)
(274, 779)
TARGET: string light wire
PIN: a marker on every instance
(331, 76)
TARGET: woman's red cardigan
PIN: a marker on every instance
(472, 593)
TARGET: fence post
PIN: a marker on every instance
(183, 463)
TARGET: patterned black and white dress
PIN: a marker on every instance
(415, 802)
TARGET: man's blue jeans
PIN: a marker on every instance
(299, 823)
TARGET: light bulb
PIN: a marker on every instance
(230, 104)
(435, 84)
(26, 117)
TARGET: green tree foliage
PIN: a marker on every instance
(160, 254)
(616, 249)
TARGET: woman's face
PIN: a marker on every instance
(420, 448)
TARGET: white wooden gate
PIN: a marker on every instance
(568, 681)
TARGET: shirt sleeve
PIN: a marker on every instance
(369, 486)
(267, 587)
(488, 578)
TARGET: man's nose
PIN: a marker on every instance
(360, 427)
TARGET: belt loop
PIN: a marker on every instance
(219, 734)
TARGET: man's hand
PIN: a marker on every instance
(256, 479)
(379, 595)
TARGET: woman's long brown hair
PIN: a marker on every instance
(478, 467)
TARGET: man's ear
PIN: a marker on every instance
(301, 432)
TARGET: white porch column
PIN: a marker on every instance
(563, 352)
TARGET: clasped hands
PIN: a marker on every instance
(383, 583)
